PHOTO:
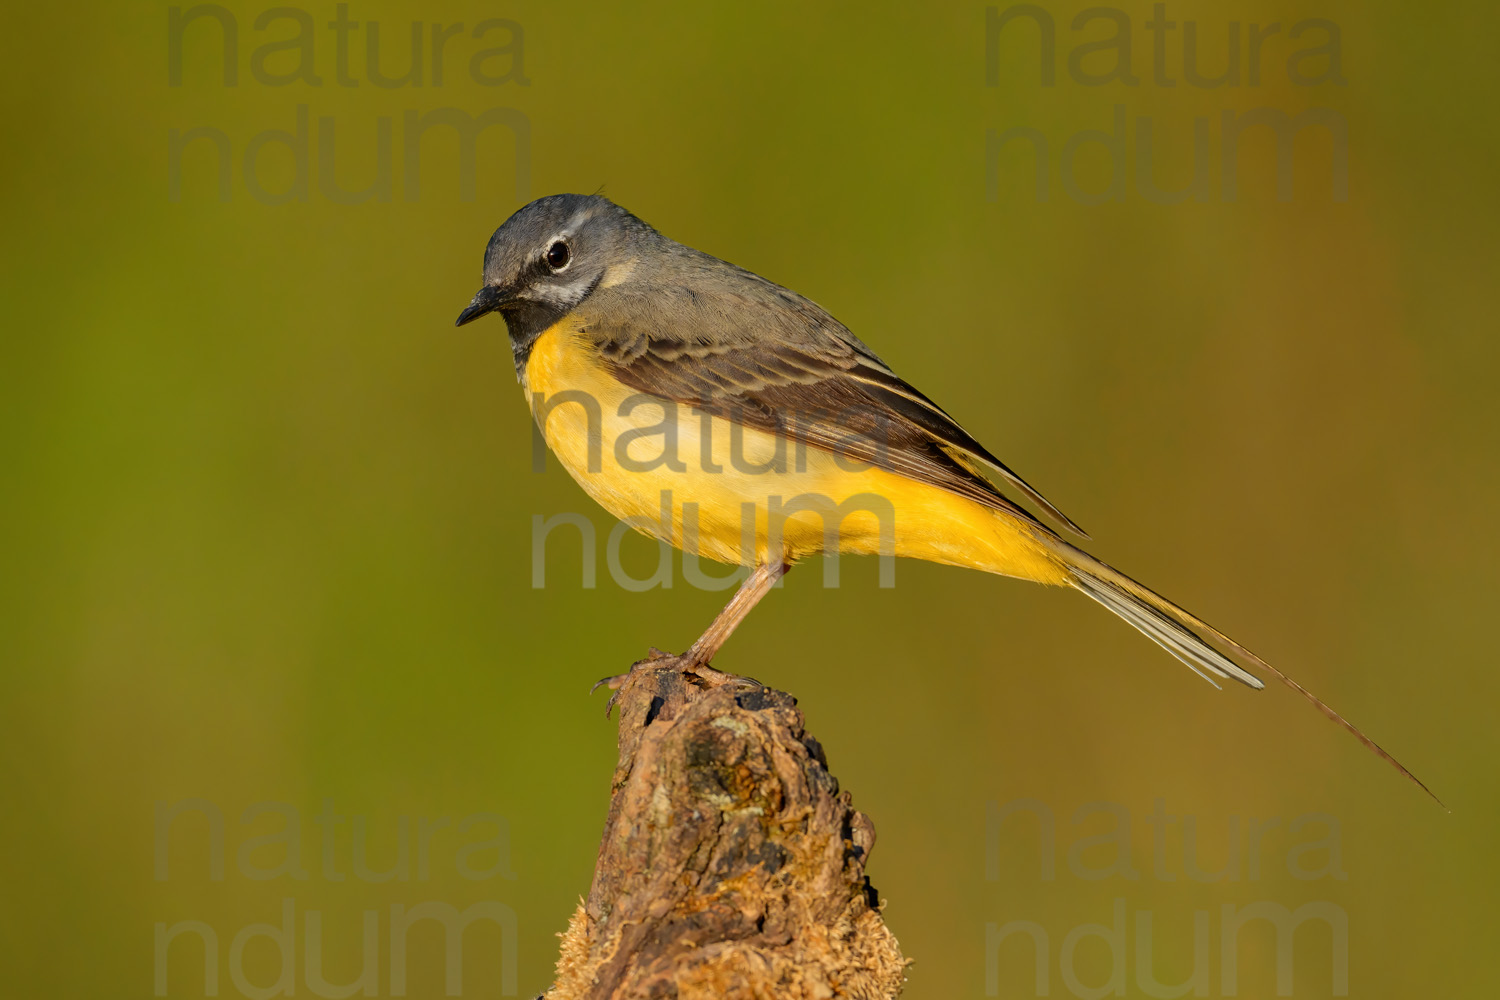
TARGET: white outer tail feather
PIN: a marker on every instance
(1183, 643)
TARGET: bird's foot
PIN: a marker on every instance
(656, 659)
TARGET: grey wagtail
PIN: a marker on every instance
(730, 416)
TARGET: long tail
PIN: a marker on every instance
(1171, 627)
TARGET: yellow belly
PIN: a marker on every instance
(739, 495)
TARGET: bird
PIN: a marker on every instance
(738, 420)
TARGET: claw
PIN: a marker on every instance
(613, 682)
(616, 684)
(657, 658)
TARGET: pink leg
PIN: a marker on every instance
(696, 660)
(756, 586)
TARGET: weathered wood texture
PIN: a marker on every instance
(732, 866)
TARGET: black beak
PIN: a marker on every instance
(487, 300)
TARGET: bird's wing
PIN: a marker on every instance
(775, 361)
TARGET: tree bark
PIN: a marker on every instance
(732, 866)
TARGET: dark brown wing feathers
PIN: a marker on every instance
(767, 358)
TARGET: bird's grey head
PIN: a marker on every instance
(550, 256)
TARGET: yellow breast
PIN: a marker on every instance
(740, 495)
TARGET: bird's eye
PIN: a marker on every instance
(558, 255)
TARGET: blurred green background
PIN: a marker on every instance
(267, 515)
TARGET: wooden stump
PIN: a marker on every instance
(731, 866)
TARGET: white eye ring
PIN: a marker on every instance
(558, 256)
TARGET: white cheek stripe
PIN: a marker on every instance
(558, 295)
